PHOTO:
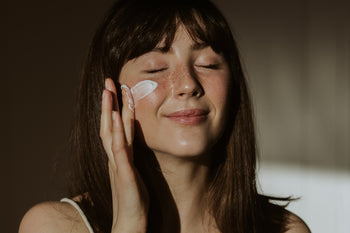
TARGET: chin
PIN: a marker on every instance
(184, 150)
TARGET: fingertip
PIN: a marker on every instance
(111, 87)
(109, 84)
(106, 99)
(124, 86)
(117, 121)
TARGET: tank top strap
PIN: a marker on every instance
(80, 211)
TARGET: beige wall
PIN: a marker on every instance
(296, 54)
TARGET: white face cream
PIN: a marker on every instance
(142, 89)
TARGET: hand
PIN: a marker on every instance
(129, 194)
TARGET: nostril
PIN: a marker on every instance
(194, 93)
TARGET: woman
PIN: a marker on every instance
(171, 147)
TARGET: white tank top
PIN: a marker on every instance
(80, 211)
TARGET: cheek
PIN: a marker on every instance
(143, 89)
(146, 113)
(152, 101)
(217, 89)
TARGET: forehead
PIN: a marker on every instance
(181, 35)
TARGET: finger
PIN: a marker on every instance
(120, 148)
(128, 114)
(112, 179)
(106, 121)
(109, 84)
(122, 154)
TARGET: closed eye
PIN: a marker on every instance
(210, 66)
(154, 71)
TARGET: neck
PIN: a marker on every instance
(179, 193)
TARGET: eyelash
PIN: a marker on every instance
(211, 66)
(155, 71)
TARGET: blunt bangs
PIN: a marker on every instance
(150, 23)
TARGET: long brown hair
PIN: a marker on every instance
(130, 29)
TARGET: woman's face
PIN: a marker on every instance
(185, 114)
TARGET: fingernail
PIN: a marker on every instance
(126, 92)
(107, 85)
(114, 115)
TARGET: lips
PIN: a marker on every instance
(188, 116)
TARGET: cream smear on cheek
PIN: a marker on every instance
(139, 91)
(143, 89)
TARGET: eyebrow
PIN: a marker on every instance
(195, 46)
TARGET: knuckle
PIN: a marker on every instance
(103, 136)
(105, 146)
(104, 133)
(118, 147)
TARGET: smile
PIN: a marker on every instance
(188, 116)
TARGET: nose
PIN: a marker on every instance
(186, 84)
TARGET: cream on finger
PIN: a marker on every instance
(126, 91)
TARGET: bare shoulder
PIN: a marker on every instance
(296, 224)
(52, 217)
